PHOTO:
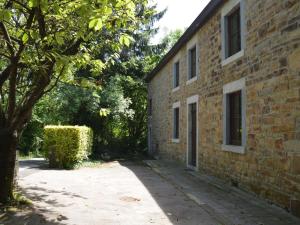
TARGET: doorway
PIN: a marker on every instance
(192, 133)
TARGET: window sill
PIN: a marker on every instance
(234, 148)
(191, 80)
(233, 57)
(175, 89)
(175, 140)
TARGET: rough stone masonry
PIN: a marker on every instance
(270, 64)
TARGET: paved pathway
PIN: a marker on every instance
(230, 205)
(113, 194)
(134, 194)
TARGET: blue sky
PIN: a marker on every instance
(180, 14)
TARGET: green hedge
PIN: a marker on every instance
(66, 146)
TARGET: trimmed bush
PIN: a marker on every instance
(66, 146)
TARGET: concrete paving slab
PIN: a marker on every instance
(113, 194)
(230, 205)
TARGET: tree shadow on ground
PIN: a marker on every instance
(179, 209)
(28, 215)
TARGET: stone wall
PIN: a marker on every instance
(270, 166)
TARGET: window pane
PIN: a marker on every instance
(235, 118)
(176, 123)
(176, 74)
(234, 32)
(192, 57)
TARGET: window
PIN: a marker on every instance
(175, 135)
(233, 29)
(150, 107)
(192, 63)
(234, 116)
(176, 124)
(233, 32)
(176, 75)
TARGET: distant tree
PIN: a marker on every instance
(43, 42)
(170, 39)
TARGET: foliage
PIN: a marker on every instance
(170, 39)
(66, 146)
(46, 41)
(117, 111)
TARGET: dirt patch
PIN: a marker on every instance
(129, 199)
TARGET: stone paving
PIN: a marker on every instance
(230, 205)
(113, 194)
(131, 193)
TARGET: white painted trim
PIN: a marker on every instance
(175, 140)
(234, 86)
(191, 44)
(227, 9)
(175, 89)
(190, 100)
(191, 80)
(233, 148)
(176, 58)
(233, 57)
(173, 72)
(227, 89)
(176, 105)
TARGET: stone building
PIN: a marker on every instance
(226, 98)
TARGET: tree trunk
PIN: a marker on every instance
(8, 144)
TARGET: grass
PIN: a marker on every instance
(18, 202)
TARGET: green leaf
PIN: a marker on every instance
(32, 3)
(92, 23)
(5, 15)
(104, 112)
(59, 38)
(124, 40)
(98, 25)
(25, 38)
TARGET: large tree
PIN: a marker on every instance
(44, 41)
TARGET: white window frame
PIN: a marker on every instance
(176, 105)
(190, 45)
(190, 100)
(238, 85)
(226, 10)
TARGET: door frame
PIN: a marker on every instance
(191, 100)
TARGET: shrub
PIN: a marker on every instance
(66, 146)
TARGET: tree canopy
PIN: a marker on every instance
(44, 42)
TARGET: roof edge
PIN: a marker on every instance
(206, 14)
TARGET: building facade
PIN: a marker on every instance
(226, 98)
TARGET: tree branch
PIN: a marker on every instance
(4, 55)
(21, 4)
(5, 74)
(56, 81)
(73, 49)
(41, 22)
(33, 95)
(7, 38)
